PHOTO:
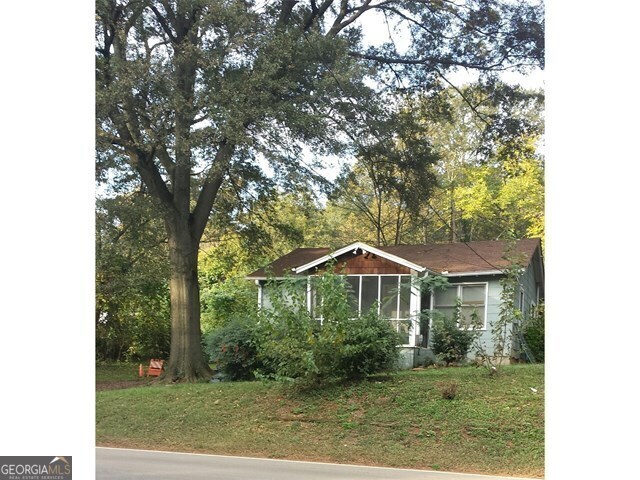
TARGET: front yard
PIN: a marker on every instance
(494, 425)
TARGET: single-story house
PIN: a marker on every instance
(384, 275)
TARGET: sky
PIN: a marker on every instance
(47, 193)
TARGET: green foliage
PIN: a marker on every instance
(533, 332)
(226, 300)
(449, 342)
(295, 345)
(370, 346)
(233, 349)
(490, 172)
(132, 295)
(387, 185)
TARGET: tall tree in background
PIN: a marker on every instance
(487, 139)
(391, 178)
(192, 94)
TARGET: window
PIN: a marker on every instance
(472, 303)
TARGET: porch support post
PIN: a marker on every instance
(414, 309)
(259, 284)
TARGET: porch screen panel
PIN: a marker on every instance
(267, 291)
(403, 326)
(369, 293)
(389, 296)
(405, 296)
(353, 287)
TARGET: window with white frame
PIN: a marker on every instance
(472, 303)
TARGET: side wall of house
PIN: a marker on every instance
(529, 289)
(493, 302)
(526, 299)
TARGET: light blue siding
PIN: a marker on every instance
(494, 292)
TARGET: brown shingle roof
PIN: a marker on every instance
(286, 263)
(454, 258)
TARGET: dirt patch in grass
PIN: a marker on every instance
(119, 384)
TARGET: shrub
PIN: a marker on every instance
(533, 332)
(448, 390)
(296, 345)
(233, 348)
(370, 346)
(450, 344)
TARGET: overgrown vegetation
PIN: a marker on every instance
(233, 348)
(328, 342)
(449, 342)
(533, 332)
(494, 425)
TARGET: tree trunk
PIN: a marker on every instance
(186, 361)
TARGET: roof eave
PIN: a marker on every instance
(362, 246)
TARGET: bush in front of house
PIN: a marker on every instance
(326, 343)
(370, 346)
(233, 348)
(449, 343)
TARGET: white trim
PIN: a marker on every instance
(472, 274)
(363, 247)
(414, 312)
(259, 295)
(309, 296)
(423, 269)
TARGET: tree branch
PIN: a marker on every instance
(429, 61)
(163, 23)
(209, 190)
(285, 12)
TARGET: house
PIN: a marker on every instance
(384, 275)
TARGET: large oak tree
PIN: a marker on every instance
(196, 94)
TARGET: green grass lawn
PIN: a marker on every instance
(494, 425)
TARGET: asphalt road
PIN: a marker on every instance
(122, 464)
